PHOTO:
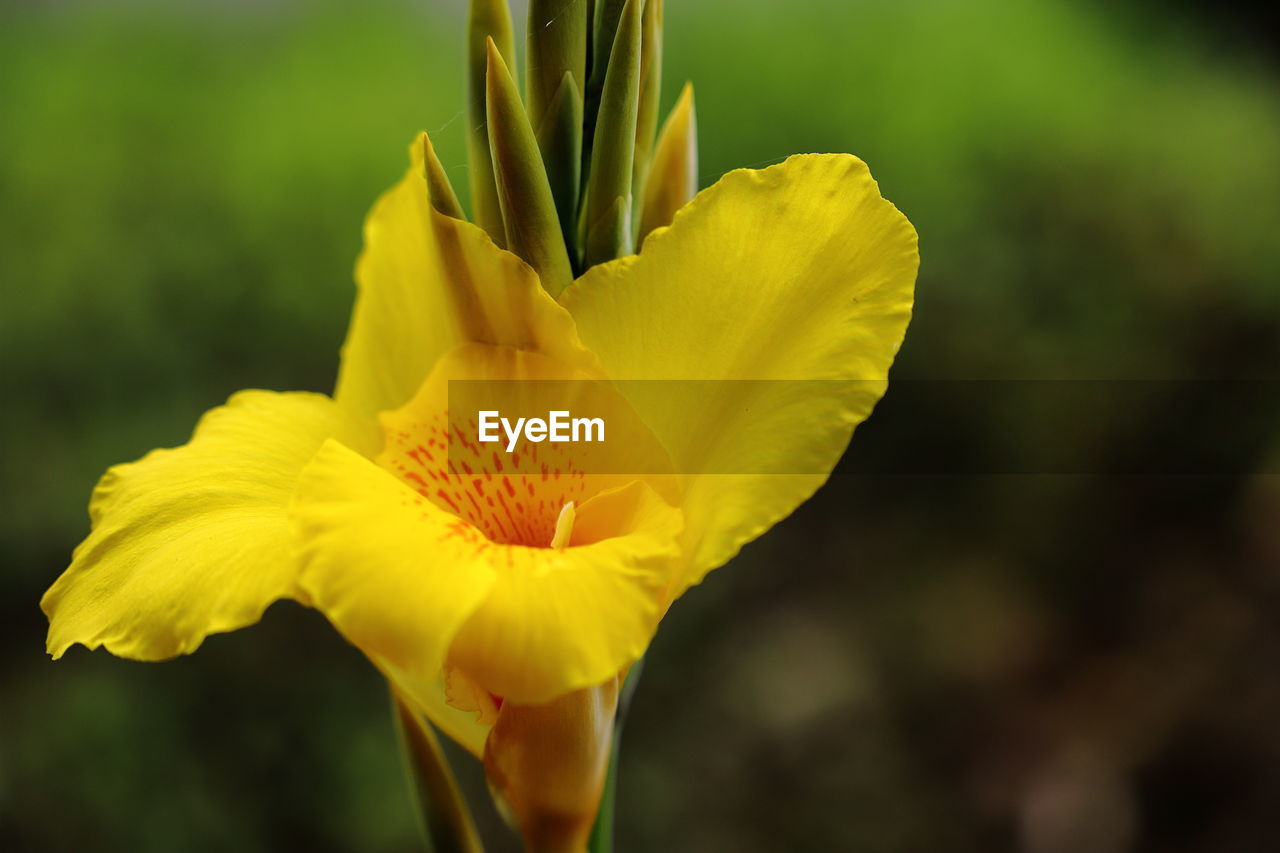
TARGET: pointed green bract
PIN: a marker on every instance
(650, 96)
(445, 818)
(489, 19)
(672, 181)
(439, 189)
(560, 140)
(610, 237)
(608, 233)
(557, 45)
(524, 194)
(604, 16)
(601, 840)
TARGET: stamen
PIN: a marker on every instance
(564, 527)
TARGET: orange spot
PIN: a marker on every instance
(444, 496)
(455, 481)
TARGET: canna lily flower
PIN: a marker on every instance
(507, 607)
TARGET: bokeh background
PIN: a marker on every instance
(1035, 615)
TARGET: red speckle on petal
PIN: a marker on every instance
(442, 465)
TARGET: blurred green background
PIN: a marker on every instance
(947, 658)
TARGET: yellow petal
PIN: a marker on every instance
(797, 272)
(559, 620)
(395, 574)
(194, 541)
(435, 697)
(428, 283)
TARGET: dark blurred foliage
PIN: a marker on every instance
(1079, 659)
(1236, 20)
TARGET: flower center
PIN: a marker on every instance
(478, 484)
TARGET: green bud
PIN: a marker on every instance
(524, 194)
(557, 45)
(613, 151)
(605, 15)
(560, 140)
(489, 19)
(611, 230)
(650, 96)
(673, 178)
(439, 190)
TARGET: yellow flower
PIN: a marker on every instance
(800, 271)
(506, 606)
